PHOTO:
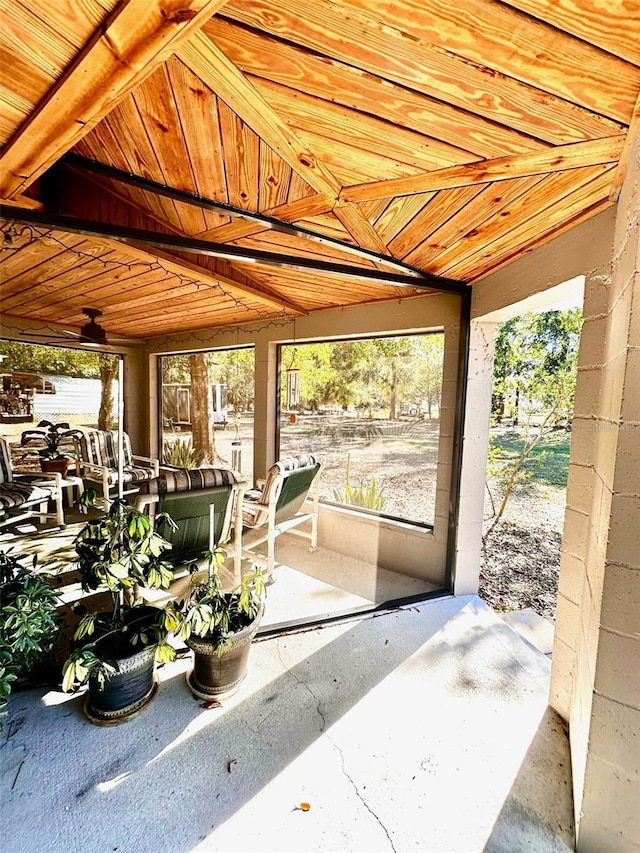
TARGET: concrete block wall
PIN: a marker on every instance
(596, 658)
(474, 458)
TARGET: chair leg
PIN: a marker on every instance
(59, 508)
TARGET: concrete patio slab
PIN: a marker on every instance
(422, 729)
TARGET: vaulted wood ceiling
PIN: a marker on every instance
(269, 159)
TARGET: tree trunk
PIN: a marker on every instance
(108, 373)
(394, 384)
(204, 443)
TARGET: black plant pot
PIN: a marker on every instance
(219, 672)
(133, 686)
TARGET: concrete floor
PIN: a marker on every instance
(423, 729)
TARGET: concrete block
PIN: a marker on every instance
(619, 324)
(621, 600)
(563, 671)
(580, 485)
(630, 409)
(610, 815)
(611, 397)
(615, 733)
(588, 390)
(617, 671)
(576, 532)
(624, 531)
(626, 479)
(568, 627)
(572, 572)
(593, 341)
(597, 287)
(583, 440)
(634, 322)
(606, 450)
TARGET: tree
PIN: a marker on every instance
(536, 372)
(108, 366)
(202, 428)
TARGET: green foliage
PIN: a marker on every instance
(61, 361)
(535, 364)
(29, 621)
(51, 436)
(122, 551)
(535, 373)
(366, 495)
(180, 452)
(207, 611)
(368, 374)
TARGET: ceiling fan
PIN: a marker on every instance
(91, 334)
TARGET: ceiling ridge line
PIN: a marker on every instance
(270, 223)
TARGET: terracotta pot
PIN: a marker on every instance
(218, 673)
(59, 465)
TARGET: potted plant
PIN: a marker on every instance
(29, 624)
(121, 552)
(218, 626)
(51, 436)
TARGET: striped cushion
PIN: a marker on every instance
(17, 493)
(257, 516)
(133, 474)
(190, 479)
(100, 447)
(6, 474)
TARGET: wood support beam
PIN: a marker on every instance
(240, 254)
(210, 64)
(558, 159)
(623, 162)
(134, 40)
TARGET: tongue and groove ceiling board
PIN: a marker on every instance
(436, 139)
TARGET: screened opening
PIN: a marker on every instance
(207, 403)
(369, 410)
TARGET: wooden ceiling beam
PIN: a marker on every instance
(135, 39)
(238, 254)
(210, 64)
(623, 163)
(558, 159)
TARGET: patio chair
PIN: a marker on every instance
(205, 504)
(26, 495)
(97, 464)
(278, 506)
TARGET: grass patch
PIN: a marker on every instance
(549, 461)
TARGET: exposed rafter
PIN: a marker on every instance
(259, 221)
(210, 64)
(136, 38)
(559, 159)
(70, 224)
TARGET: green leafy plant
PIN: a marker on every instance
(51, 436)
(29, 620)
(181, 453)
(366, 495)
(124, 552)
(207, 611)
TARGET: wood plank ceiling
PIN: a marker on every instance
(322, 153)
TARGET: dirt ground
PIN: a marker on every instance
(521, 556)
